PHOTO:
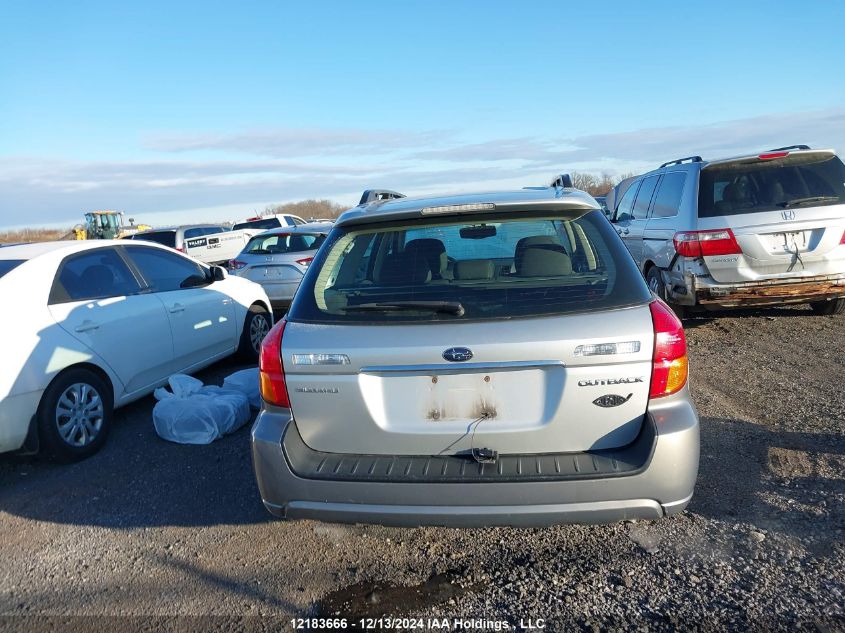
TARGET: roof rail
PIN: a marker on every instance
(691, 159)
(788, 147)
(562, 180)
(374, 195)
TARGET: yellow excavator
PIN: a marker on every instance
(106, 225)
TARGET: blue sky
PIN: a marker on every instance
(209, 111)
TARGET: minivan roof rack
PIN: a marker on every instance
(374, 195)
(690, 159)
(788, 147)
(562, 180)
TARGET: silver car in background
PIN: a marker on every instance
(759, 229)
(488, 359)
(277, 259)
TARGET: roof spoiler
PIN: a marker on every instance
(789, 147)
(679, 161)
(376, 195)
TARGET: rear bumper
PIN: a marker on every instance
(663, 486)
(699, 290)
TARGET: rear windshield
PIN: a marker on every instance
(769, 186)
(269, 223)
(469, 269)
(7, 265)
(167, 238)
(284, 243)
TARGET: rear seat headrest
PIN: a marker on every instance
(405, 268)
(546, 260)
(474, 269)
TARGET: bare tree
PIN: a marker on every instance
(307, 209)
(597, 185)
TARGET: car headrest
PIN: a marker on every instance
(97, 280)
(544, 261)
(433, 250)
(405, 269)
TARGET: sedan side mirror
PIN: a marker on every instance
(218, 273)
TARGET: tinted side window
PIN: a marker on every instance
(644, 197)
(624, 209)
(163, 271)
(97, 274)
(7, 265)
(166, 238)
(668, 199)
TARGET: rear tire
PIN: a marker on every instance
(75, 415)
(256, 326)
(655, 283)
(828, 308)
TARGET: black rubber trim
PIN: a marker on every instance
(629, 460)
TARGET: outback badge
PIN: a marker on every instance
(611, 400)
(457, 354)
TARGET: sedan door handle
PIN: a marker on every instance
(177, 307)
(87, 326)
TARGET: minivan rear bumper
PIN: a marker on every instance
(712, 295)
(663, 486)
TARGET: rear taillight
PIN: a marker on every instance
(271, 372)
(181, 249)
(704, 243)
(842, 241)
(669, 364)
(305, 261)
(235, 264)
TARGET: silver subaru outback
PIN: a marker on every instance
(489, 359)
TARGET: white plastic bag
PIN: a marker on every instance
(245, 381)
(195, 414)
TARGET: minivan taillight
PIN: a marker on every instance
(669, 362)
(271, 372)
(704, 243)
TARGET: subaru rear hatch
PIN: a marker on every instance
(521, 330)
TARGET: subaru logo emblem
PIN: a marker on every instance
(457, 354)
(788, 214)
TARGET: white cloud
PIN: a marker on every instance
(339, 164)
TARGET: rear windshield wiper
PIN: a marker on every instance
(798, 201)
(449, 307)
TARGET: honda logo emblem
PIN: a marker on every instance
(788, 214)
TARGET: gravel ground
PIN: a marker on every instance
(177, 533)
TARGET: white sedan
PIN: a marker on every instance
(90, 326)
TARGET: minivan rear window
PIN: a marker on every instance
(166, 238)
(269, 223)
(476, 268)
(769, 186)
(284, 243)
